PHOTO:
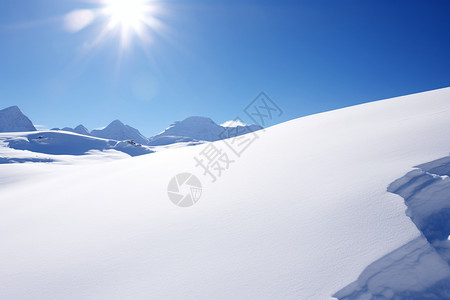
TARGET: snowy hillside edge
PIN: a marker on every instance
(419, 269)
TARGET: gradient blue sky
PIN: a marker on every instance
(214, 57)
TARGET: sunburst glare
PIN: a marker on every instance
(130, 17)
(126, 13)
(129, 21)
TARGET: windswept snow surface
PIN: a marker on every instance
(299, 215)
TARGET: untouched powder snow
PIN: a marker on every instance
(299, 216)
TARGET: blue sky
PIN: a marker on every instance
(211, 58)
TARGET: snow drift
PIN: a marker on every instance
(418, 270)
(299, 215)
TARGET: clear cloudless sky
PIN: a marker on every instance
(211, 58)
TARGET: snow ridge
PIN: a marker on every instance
(420, 269)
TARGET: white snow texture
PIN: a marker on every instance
(300, 215)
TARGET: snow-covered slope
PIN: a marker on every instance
(299, 215)
(13, 120)
(120, 132)
(195, 129)
(64, 143)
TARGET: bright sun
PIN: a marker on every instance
(130, 21)
(132, 17)
(128, 14)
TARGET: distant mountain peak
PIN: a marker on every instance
(198, 119)
(116, 130)
(81, 130)
(12, 119)
(12, 108)
(199, 129)
(81, 127)
(233, 123)
(116, 123)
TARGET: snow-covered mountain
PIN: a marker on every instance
(79, 129)
(116, 130)
(13, 120)
(198, 129)
(299, 215)
(191, 131)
